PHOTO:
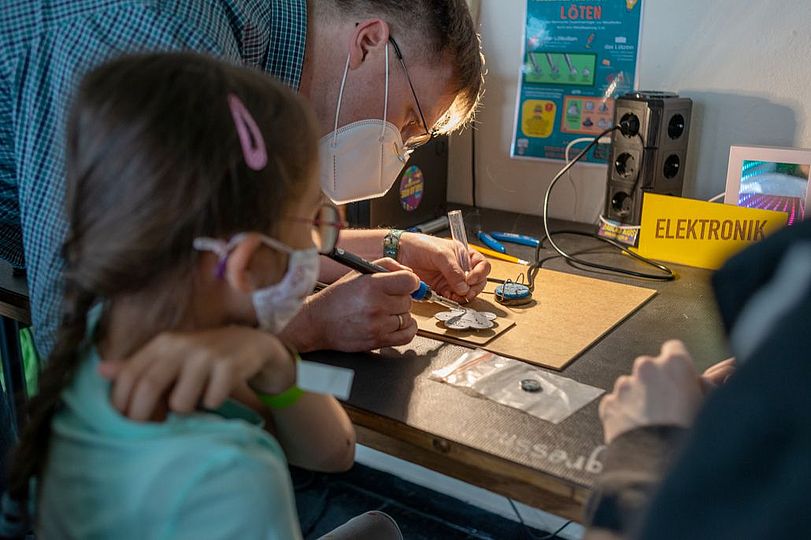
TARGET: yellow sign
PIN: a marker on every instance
(699, 233)
(538, 118)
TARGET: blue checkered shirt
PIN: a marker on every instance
(45, 48)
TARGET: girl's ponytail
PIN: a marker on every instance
(31, 453)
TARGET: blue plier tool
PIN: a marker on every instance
(494, 240)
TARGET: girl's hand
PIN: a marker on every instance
(183, 371)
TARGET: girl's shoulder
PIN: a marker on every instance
(88, 414)
(188, 476)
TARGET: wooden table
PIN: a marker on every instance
(398, 410)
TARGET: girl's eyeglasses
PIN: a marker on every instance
(326, 227)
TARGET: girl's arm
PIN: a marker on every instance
(173, 372)
(315, 433)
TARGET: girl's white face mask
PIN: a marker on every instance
(361, 160)
(277, 304)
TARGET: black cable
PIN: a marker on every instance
(667, 272)
(537, 265)
(555, 534)
(528, 533)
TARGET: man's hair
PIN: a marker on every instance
(444, 29)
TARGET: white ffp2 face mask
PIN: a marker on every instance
(361, 160)
(277, 304)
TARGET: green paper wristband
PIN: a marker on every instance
(286, 399)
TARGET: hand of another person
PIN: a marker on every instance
(665, 390)
(182, 370)
(434, 260)
(717, 374)
(358, 313)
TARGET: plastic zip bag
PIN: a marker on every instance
(518, 385)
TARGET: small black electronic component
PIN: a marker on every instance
(531, 385)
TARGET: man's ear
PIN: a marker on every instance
(369, 35)
(238, 271)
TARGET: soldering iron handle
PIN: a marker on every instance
(422, 292)
(355, 262)
(363, 266)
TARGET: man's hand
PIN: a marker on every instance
(665, 390)
(434, 261)
(358, 313)
(182, 370)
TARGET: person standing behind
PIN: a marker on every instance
(406, 70)
(734, 464)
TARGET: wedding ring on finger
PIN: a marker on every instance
(400, 322)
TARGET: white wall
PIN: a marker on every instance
(486, 500)
(746, 65)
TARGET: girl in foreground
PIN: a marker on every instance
(192, 204)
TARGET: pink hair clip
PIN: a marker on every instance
(250, 138)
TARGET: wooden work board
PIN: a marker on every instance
(568, 314)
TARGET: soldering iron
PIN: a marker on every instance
(423, 294)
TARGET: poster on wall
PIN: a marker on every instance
(578, 56)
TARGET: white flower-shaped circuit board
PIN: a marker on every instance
(467, 319)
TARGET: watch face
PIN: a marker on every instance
(391, 244)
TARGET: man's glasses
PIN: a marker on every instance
(418, 140)
(327, 226)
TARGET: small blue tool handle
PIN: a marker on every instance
(491, 242)
(363, 266)
(422, 292)
(520, 239)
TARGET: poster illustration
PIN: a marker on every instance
(578, 56)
